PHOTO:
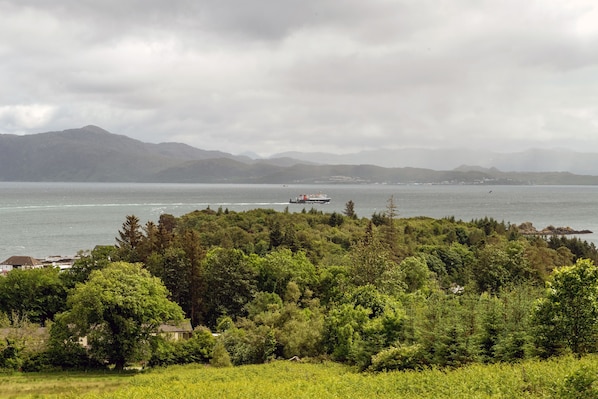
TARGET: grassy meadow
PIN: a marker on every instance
(557, 378)
(61, 384)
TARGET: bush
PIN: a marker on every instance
(249, 344)
(199, 348)
(37, 362)
(9, 356)
(410, 357)
(220, 356)
(163, 352)
(64, 349)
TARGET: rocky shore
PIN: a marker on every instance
(529, 229)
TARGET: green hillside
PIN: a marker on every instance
(91, 154)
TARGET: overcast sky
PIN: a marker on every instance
(339, 76)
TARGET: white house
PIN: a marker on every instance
(19, 262)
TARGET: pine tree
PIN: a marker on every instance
(129, 239)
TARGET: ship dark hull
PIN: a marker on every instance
(309, 201)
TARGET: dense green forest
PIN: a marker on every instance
(379, 292)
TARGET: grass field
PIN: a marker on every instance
(60, 384)
(531, 379)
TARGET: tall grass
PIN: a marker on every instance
(60, 384)
(565, 377)
(530, 379)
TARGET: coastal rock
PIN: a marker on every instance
(528, 228)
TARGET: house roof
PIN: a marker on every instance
(21, 261)
(184, 326)
(34, 332)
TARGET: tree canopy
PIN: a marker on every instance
(380, 293)
(568, 313)
(118, 309)
(36, 294)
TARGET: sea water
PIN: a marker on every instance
(47, 219)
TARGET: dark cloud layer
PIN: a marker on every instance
(319, 75)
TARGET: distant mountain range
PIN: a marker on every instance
(91, 154)
(532, 160)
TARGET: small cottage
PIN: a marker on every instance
(20, 262)
(181, 331)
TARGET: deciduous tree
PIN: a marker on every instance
(118, 309)
(569, 311)
(371, 263)
(229, 282)
(36, 294)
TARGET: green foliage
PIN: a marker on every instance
(415, 273)
(350, 210)
(230, 283)
(579, 248)
(278, 268)
(256, 259)
(35, 294)
(23, 345)
(97, 259)
(10, 358)
(400, 357)
(118, 309)
(490, 225)
(283, 379)
(163, 352)
(503, 263)
(300, 333)
(220, 356)
(130, 240)
(415, 291)
(174, 269)
(568, 313)
(491, 327)
(336, 219)
(367, 322)
(197, 349)
(64, 349)
(581, 384)
(457, 262)
(299, 329)
(263, 302)
(451, 348)
(297, 324)
(249, 343)
(371, 263)
(342, 330)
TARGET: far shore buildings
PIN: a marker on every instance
(20, 262)
(29, 262)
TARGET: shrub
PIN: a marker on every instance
(249, 343)
(199, 348)
(401, 357)
(163, 352)
(220, 356)
(9, 356)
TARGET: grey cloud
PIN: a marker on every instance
(275, 75)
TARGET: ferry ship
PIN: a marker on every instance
(310, 199)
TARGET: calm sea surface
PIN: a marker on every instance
(44, 219)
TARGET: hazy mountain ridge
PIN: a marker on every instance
(91, 154)
(531, 160)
